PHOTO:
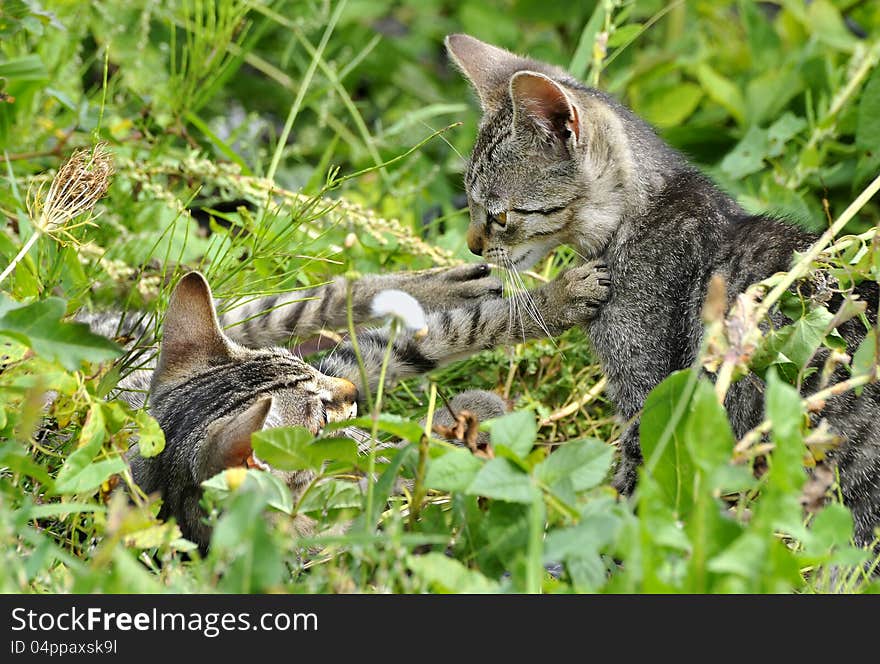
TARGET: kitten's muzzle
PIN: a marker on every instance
(341, 403)
(476, 239)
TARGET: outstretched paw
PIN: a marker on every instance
(450, 288)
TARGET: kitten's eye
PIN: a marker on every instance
(500, 218)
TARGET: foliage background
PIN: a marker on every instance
(206, 104)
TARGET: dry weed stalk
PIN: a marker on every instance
(77, 186)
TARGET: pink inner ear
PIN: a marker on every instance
(236, 451)
(545, 101)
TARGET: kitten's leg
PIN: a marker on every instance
(570, 300)
(630, 460)
(275, 319)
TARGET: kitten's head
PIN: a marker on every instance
(552, 161)
(209, 395)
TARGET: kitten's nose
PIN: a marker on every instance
(475, 240)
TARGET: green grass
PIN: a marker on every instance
(336, 118)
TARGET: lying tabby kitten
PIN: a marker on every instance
(556, 162)
(209, 391)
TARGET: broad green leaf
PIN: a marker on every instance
(782, 131)
(272, 488)
(748, 155)
(784, 409)
(26, 68)
(447, 575)
(623, 34)
(673, 467)
(295, 448)
(707, 432)
(592, 534)
(454, 471)
(584, 462)
(91, 477)
(831, 529)
(745, 557)
(806, 335)
(865, 356)
(502, 480)
(868, 119)
(516, 431)
(90, 440)
(671, 106)
(39, 325)
(722, 91)
(243, 539)
(151, 438)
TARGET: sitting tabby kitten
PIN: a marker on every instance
(556, 162)
(210, 391)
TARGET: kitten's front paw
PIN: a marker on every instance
(585, 289)
(454, 287)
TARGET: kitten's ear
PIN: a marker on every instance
(487, 67)
(228, 441)
(191, 334)
(541, 100)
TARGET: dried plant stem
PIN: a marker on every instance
(591, 395)
(419, 491)
(803, 265)
(77, 186)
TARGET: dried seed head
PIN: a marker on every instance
(80, 183)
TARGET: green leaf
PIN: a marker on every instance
(783, 130)
(393, 424)
(283, 447)
(623, 34)
(516, 431)
(748, 155)
(865, 356)
(243, 539)
(593, 533)
(27, 68)
(674, 468)
(453, 471)
(584, 462)
(91, 438)
(784, 409)
(744, 557)
(868, 119)
(671, 106)
(295, 448)
(805, 336)
(91, 477)
(831, 528)
(722, 91)
(502, 480)
(151, 438)
(447, 575)
(39, 325)
(270, 486)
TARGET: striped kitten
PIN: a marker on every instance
(556, 162)
(210, 390)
